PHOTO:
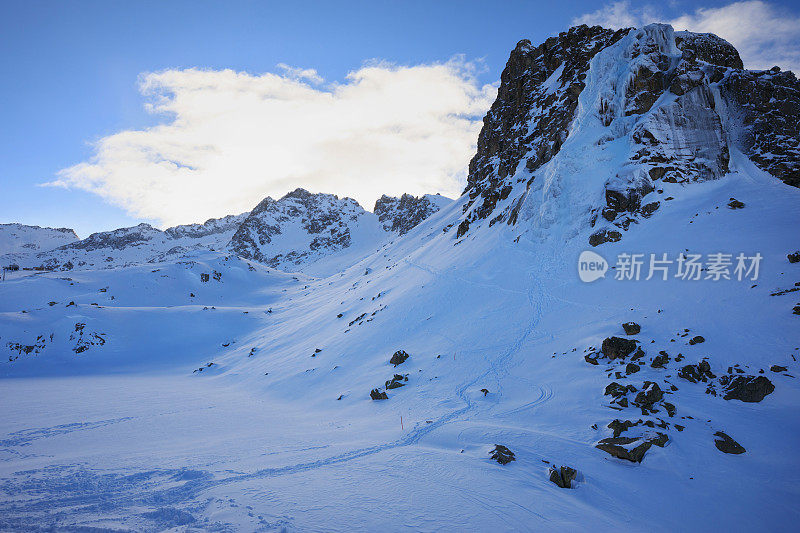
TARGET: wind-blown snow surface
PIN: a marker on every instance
(125, 435)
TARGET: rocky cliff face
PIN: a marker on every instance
(637, 107)
(296, 228)
(400, 215)
(530, 118)
(301, 228)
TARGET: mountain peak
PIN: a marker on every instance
(678, 103)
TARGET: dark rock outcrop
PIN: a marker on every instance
(699, 372)
(563, 476)
(400, 215)
(397, 381)
(749, 389)
(323, 218)
(631, 449)
(726, 444)
(618, 347)
(530, 120)
(398, 358)
(376, 394)
(502, 455)
(631, 328)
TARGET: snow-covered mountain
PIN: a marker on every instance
(458, 375)
(301, 228)
(293, 233)
(21, 239)
(135, 245)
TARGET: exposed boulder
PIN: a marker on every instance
(618, 347)
(631, 449)
(376, 394)
(398, 358)
(619, 426)
(699, 372)
(749, 389)
(631, 368)
(631, 328)
(397, 381)
(697, 340)
(735, 204)
(603, 236)
(502, 455)
(563, 476)
(648, 396)
(660, 360)
(726, 444)
(794, 257)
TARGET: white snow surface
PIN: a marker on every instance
(125, 436)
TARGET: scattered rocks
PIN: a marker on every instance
(502, 455)
(398, 358)
(696, 340)
(208, 365)
(563, 476)
(631, 328)
(376, 394)
(590, 360)
(778, 368)
(726, 444)
(749, 389)
(617, 347)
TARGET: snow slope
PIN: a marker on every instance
(280, 433)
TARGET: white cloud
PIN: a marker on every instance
(764, 34)
(231, 138)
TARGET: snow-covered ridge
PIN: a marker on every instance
(22, 239)
(290, 233)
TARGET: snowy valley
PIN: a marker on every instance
(437, 364)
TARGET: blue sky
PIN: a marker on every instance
(72, 78)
